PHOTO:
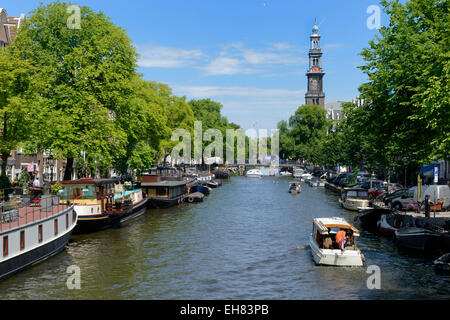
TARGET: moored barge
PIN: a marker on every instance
(31, 234)
(102, 203)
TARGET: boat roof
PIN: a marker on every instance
(335, 222)
(166, 183)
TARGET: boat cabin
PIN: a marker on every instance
(357, 194)
(325, 230)
(165, 188)
(84, 190)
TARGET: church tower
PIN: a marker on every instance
(315, 94)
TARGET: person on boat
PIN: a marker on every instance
(427, 206)
(350, 240)
(340, 239)
(299, 188)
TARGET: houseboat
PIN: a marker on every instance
(164, 193)
(355, 199)
(33, 233)
(102, 203)
(323, 245)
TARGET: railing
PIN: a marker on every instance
(118, 207)
(17, 213)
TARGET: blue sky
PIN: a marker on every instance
(250, 55)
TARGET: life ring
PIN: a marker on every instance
(190, 199)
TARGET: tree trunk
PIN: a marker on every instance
(69, 169)
(4, 158)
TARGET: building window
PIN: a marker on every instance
(40, 233)
(56, 227)
(5, 246)
(22, 240)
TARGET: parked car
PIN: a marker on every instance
(361, 176)
(387, 198)
(408, 198)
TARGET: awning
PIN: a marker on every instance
(428, 168)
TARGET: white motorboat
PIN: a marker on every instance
(323, 246)
(285, 173)
(355, 199)
(295, 187)
(306, 176)
(254, 173)
(298, 173)
(316, 183)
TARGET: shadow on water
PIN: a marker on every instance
(249, 239)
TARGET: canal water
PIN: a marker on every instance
(247, 240)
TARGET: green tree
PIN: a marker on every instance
(15, 98)
(309, 127)
(145, 122)
(407, 96)
(84, 79)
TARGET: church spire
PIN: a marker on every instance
(315, 94)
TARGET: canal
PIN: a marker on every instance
(247, 240)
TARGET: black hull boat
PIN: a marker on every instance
(33, 257)
(389, 223)
(199, 188)
(52, 226)
(370, 217)
(221, 174)
(417, 239)
(114, 218)
(442, 265)
(194, 197)
(159, 203)
(164, 194)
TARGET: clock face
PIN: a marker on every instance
(314, 84)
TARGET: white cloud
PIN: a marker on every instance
(332, 46)
(281, 46)
(227, 66)
(165, 57)
(236, 59)
(251, 92)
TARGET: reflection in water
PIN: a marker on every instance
(247, 240)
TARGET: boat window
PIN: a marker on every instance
(64, 193)
(352, 194)
(56, 227)
(161, 191)
(67, 221)
(84, 192)
(362, 194)
(40, 233)
(151, 192)
(5, 246)
(22, 240)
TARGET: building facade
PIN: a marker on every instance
(315, 74)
